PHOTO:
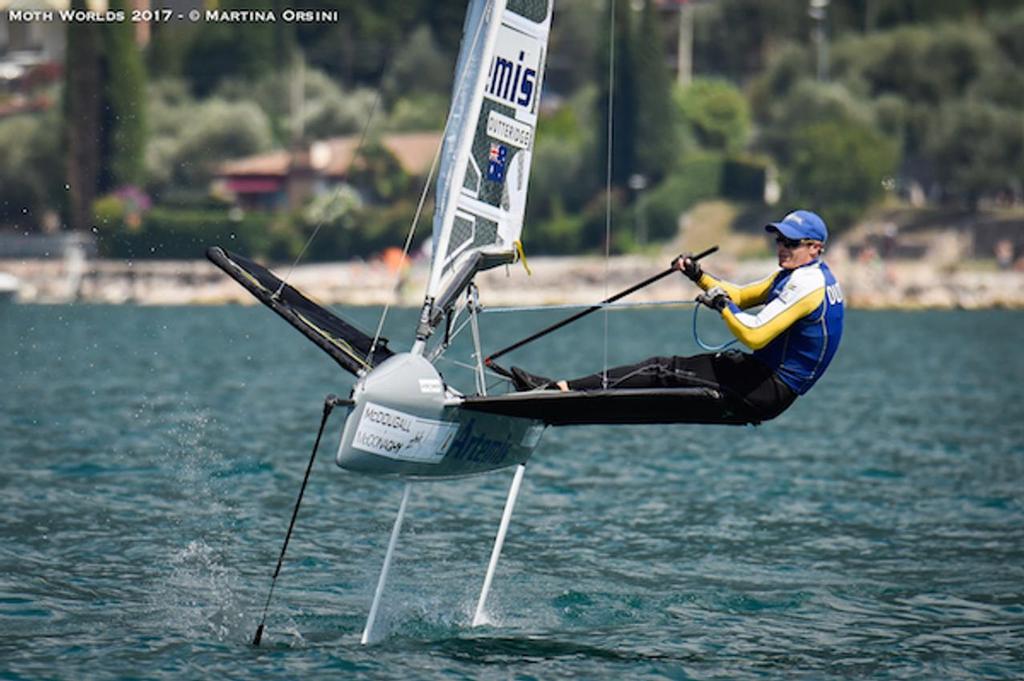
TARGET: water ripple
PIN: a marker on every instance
(151, 457)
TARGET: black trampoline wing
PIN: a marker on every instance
(595, 407)
(346, 344)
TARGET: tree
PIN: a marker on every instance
(837, 168)
(378, 175)
(30, 168)
(82, 97)
(221, 51)
(573, 46)
(656, 143)
(938, 89)
(418, 66)
(561, 176)
(190, 139)
(104, 108)
(809, 103)
(715, 113)
(976, 149)
(123, 121)
(735, 38)
(327, 109)
(622, 112)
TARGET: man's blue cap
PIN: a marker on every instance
(800, 224)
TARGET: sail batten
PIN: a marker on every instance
(484, 175)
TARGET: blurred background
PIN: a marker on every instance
(128, 144)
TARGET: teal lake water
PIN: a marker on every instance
(150, 457)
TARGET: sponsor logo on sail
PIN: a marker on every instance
(511, 80)
(509, 130)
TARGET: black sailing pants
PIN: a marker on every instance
(748, 386)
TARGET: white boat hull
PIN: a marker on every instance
(404, 423)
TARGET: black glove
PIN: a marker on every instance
(688, 266)
(717, 299)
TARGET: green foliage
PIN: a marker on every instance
(83, 85)
(1008, 30)
(790, 65)
(890, 13)
(656, 144)
(578, 32)
(595, 216)
(190, 140)
(744, 177)
(333, 112)
(350, 228)
(622, 111)
(936, 102)
(559, 231)
(830, 149)
(920, 64)
(418, 67)
(418, 112)
(563, 176)
(1002, 84)
(377, 174)
(698, 177)
(110, 211)
(225, 50)
(337, 208)
(953, 94)
(810, 101)
(359, 46)
(976, 149)
(327, 109)
(168, 48)
(124, 113)
(31, 169)
(715, 113)
(836, 167)
(733, 38)
(168, 233)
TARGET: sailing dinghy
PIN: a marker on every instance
(404, 420)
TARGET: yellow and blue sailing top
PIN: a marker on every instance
(798, 330)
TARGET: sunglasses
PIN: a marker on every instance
(792, 243)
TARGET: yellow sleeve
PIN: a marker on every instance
(744, 296)
(757, 331)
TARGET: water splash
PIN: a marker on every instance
(201, 595)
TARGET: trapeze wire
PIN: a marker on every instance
(575, 306)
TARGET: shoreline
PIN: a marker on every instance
(896, 284)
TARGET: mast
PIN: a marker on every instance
(482, 183)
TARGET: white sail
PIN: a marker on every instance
(482, 182)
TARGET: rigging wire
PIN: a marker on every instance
(608, 185)
(337, 193)
(406, 246)
(423, 198)
(472, 367)
(576, 306)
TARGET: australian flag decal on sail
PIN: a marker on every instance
(496, 162)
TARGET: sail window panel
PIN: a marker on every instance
(486, 233)
(534, 10)
(471, 182)
(462, 234)
(470, 233)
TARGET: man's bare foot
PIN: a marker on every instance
(563, 386)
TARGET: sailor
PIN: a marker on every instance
(793, 336)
